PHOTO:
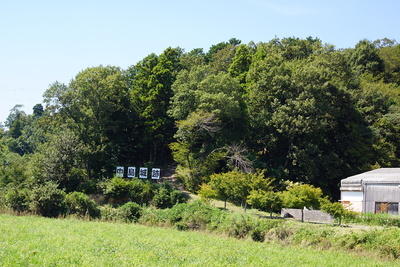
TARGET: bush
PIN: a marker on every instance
(17, 199)
(88, 187)
(195, 216)
(184, 216)
(80, 204)
(130, 212)
(166, 197)
(314, 236)
(117, 188)
(258, 235)
(239, 225)
(154, 217)
(47, 200)
(161, 196)
(140, 191)
(109, 213)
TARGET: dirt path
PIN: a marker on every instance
(169, 175)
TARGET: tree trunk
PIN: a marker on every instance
(288, 153)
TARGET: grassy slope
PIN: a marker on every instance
(35, 241)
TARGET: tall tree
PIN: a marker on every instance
(305, 119)
(96, 106)
(365, 58)
(389, 51)
(241, 63)
(151, 81)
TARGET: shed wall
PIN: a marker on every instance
(352, 200)
(380, 193)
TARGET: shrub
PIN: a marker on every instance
(258, 235)
(161, 199)
(17, 199)
(154, 217)
(129, 212)
(336, 209)
(117, 188)
(88, 187)
(313, 236)
(140, 191)
(166, 197)
(280, 233)
(109, 213)
(184, 216)
(239, 225)
(195, 215)
(162, 196)
(47, 200)
(80, 204)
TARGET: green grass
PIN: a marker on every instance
(36, 241)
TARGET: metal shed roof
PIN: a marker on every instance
(383, 175)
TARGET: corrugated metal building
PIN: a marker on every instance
(375, 191)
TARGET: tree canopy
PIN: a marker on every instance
(294, 108)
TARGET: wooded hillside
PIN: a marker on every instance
(298, 109)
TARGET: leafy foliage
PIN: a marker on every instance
(119, 190)
(299, 110)
(81, 205)
(47, 200)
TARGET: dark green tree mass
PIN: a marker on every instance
(294, 108)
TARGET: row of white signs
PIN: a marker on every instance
(143, 172)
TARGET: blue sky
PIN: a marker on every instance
(46, 41)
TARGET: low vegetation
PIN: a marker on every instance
(37, 241)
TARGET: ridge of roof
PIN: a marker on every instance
(378, 175)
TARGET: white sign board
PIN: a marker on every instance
(131, 172)
(143, 173)
(155, 173)
(120, 172)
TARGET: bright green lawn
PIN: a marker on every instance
(36, 241)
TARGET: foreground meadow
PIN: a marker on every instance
(36, 241)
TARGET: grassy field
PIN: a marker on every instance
(36, 241)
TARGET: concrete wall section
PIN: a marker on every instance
(309, 215)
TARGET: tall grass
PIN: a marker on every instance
(36, 241)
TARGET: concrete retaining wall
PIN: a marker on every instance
(309, 215)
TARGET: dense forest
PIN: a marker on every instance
(289, 109)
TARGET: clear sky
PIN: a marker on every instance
(44, 41)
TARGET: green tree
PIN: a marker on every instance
(241, 63)
(296, 48)
(304, 118)
(211, 116)
(96, 106)
(302, 196)
(265, 200)
(151, 81)
(61, 160)
(15, 114)
(334, 209)
(220, 95)
(192, 59)
(195, 148)
(235, 185)
(38, 110)
(222, 59)
(365, 58)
